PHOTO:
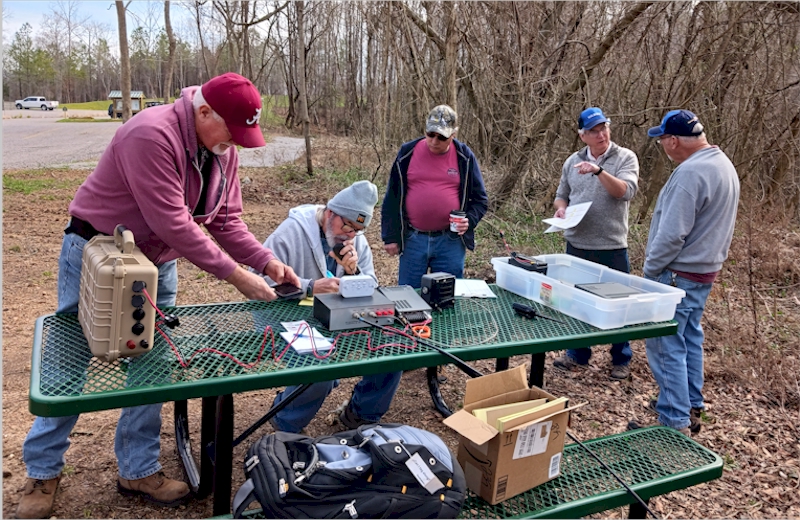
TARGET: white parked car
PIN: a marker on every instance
(35, 102)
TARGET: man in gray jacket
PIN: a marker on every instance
(306, 241)
(690, 234)
(606, 175)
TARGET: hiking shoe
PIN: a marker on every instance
(156, 489)
(696, 420)
(695, 416)
(566, 363)
(350, 420)
(38, 498)
(621, 372)
(633, 425)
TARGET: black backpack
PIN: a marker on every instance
(363, 473)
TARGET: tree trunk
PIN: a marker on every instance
(301, 82)
(125, 62)
(451, 54)
(171, 60)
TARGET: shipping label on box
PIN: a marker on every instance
(532, 440)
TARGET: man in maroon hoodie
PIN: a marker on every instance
(166, 171)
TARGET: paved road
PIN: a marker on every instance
(34, 139)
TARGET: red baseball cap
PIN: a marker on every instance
(238, 102)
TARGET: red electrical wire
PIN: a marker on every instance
(278, 357)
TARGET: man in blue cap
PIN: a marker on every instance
(690, 234)
(606, 175)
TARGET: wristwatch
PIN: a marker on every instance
(310, 289)
(598, 171)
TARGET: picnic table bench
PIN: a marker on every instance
(652, 461)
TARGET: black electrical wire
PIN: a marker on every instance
(474, 373)
(613, 474)
(456, 360)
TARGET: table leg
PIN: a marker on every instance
(537, 370)
(637, 510)
(501, 364)
(208, 430)
(223, 459)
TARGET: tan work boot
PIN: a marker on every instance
(38, 498)
(157, 489)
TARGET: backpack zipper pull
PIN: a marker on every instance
(351, 509)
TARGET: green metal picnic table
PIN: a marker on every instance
(67, 380)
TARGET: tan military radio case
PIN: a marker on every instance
(114, 313)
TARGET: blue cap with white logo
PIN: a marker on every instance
(590, 118)
(677, 122)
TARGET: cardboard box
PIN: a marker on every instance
(498, 465)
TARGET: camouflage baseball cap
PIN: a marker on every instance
(442, 120)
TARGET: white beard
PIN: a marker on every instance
(330, 237)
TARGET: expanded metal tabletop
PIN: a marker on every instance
(66, 379)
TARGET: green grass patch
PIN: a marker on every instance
(89, 105)
(27, 182)
(88, 120)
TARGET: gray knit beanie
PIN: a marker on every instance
(356, 202)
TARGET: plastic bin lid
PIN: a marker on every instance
(609, 289)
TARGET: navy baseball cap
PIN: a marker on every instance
(677, 122)
(590, 118)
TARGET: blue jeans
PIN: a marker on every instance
(444, 253)
(371, 398)
(677, 361)
(137, 443)
(616, 259)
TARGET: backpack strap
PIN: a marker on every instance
(244, 497)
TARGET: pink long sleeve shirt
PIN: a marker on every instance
(147, 180)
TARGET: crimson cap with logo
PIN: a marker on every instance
(238, 102)
(677, 122)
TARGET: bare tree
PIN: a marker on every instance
(125, 61)
(301, 82)
(172, 44)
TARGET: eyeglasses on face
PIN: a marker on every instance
(433, 135)
(658, 141)
(597, 130)
(350, 227)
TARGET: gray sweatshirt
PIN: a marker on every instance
(695, 214)
(605, 225)
(300, 246)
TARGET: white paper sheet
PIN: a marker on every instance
(303, 344)
(473, 289)
(572, 217)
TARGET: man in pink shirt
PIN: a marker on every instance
(433, 176)
(166, 171)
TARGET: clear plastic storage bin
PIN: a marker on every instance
(656, 302)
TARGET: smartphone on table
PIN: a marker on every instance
(287, 291)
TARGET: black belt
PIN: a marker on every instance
(432, 233)
(82, 228)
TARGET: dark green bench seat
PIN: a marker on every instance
(652, 461)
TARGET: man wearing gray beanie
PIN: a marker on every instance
(305, 241)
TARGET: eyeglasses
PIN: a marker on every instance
(437, 136)
(349, 227)
(658, 141)
(597, 130)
